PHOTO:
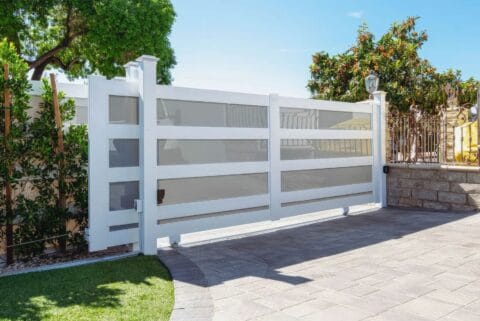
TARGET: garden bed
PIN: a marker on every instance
(52, 256)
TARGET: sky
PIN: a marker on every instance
(265, 46)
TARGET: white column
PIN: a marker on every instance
(147, 78)
(274, 175)
(98, 186)
(131, 71)
(379, 137)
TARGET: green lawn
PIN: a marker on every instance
(135, 288)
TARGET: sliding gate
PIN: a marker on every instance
(164, 161)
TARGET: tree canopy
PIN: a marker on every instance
(84, 36)
(408, 79)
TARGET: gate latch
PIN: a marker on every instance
(138, 206)
(160, 196)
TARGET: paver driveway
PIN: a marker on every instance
(384, 265)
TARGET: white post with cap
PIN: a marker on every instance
(147, 80)
(379, 150)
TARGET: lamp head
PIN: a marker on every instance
(371, 82)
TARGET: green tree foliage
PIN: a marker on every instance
(86, 36)
(408, 79)
(14, 146)
(40, 217)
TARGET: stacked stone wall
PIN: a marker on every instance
(440, 188)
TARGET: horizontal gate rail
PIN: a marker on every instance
(211, 96)
(201, 170)
(293, 165)
(188, 132)
(324, 134)
(303, 103)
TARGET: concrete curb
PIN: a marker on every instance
(64, 265)
(193, 301)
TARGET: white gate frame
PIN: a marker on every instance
(173, 220)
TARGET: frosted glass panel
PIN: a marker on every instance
(295, 118)
(124, 152)
(35, 103)
(206, 114)
(318, 178)
(187, 151)
(324, 148)
(123, 110)
(186, 190)
(81, 111)
(81, 115)
(122, 195)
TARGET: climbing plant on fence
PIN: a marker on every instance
(43, 217)
(36, 170)
(14, 86)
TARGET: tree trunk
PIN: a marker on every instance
(62, 197)
(8, 186)
(9, 223)
(38, 71)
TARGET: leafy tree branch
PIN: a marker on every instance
(82, 37)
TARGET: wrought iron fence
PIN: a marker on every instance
(414, 138)
(447, 137)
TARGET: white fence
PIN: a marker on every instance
(203, 159)
(78, 92)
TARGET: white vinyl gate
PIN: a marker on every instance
(165, 161)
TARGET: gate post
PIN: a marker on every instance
(274, 173)
(98, 226)
(379, 141)
(147, 81)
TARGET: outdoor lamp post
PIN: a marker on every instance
(371, 83)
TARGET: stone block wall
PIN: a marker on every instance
(434, 187)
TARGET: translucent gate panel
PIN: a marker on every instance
(123, 194)
(297, 118)
(292, 149)
(193, 151)
(318, 178)
(208, 114)
(123, 110)
(194, 189)
(123, 152)
(81, 111)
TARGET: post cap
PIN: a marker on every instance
(131, 64)
(147, 58)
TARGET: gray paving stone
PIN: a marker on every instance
(426, 308)
(337, 313)
(462, 315)
(386, 265)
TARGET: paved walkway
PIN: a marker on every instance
(387, 265)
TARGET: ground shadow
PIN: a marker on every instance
(31, 296)
(263, 255)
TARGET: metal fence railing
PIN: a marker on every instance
(448, 137)
(413, 139)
